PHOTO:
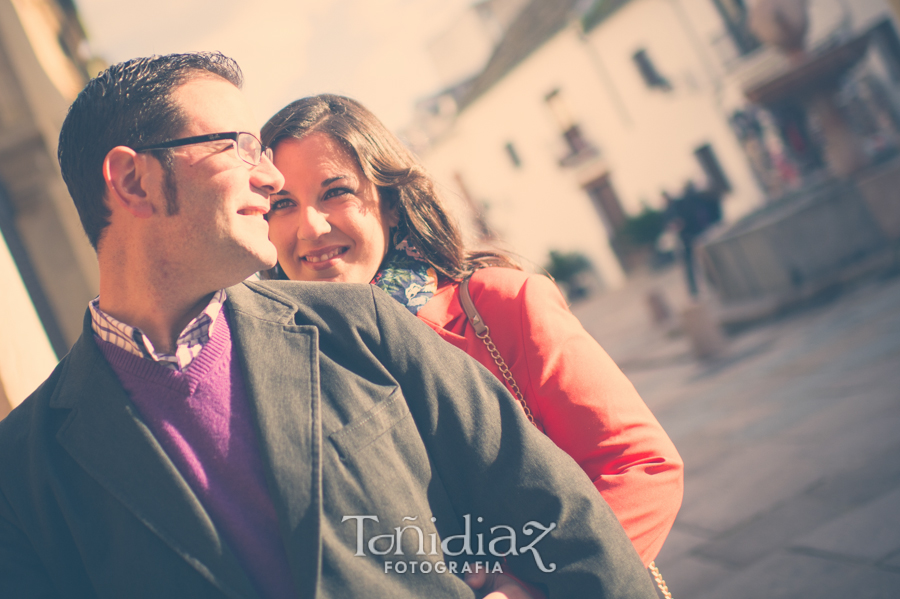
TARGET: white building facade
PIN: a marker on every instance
(581, 119)
(48, 271)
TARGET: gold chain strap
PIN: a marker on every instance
(484, 333)
(504, 370)
(659, 580)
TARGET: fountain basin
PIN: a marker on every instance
(824, 235)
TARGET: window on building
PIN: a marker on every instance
(734, 13)
(557, 105)
(512, 154)
(712, 168)
(577, 144)
(652, 77)
(576, 141)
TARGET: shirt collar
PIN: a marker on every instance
(187, 347)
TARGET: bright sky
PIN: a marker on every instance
(372, 50)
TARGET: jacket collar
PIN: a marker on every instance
(281, 373)
(444, 312)
(105, 435)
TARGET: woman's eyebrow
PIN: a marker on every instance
(331, 180)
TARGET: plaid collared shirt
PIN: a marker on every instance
(187, 347)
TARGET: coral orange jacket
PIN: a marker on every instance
(577, 394)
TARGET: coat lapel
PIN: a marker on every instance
(280, 366)
(105, 435)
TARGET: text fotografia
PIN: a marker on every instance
(497, 545)
(427, 567)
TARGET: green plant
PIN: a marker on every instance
(566, 268)
(644, 229)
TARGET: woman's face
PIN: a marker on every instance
(327, 222)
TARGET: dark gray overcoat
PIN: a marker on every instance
(361, 410)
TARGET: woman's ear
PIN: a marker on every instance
(127, 181)
(390, 206)
(392, 217)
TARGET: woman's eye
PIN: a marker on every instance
(336, 192)
(279, 205)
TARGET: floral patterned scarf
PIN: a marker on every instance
(407, 277)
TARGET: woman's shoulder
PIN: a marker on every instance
(501, 283)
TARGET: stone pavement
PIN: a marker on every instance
(791, 440)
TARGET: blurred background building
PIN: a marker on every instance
(559, 129)
(586, 112)
(48, 270)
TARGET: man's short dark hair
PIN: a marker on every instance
(128, 104)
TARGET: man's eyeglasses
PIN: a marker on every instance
(248, 147)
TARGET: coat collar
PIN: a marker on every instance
(281, 373)
(105, 435)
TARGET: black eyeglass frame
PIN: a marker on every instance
(199, 139)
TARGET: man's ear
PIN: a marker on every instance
(128, 179)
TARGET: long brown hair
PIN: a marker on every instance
(401, 179)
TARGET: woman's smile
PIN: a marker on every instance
(328, 222)
(320, 256)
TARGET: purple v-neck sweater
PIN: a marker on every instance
(201, 418)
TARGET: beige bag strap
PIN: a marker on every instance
(484, 333)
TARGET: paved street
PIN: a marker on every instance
(791, 440)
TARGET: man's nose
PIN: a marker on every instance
(266, 177)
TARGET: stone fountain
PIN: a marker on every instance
(833, 229)
(811, 79)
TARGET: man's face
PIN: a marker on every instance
(218, 235)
